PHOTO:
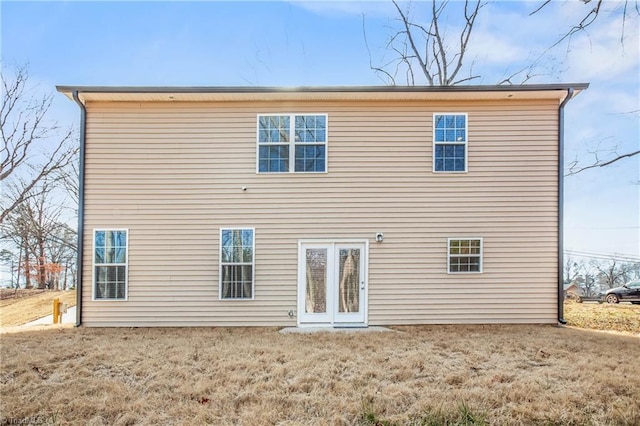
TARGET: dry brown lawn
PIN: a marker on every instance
(518, 374)
(623, 317)
(32, 305)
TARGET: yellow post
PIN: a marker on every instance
(56, 310)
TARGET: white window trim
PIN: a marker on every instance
(465, 143)
(253, 269)
(449, 256)
(94, 264)
(292, 143)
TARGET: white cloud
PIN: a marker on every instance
(492, 48)
(601, 55)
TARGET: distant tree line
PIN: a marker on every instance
(594, 276)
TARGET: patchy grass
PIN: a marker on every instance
(463, 417)
(31, 305)
(426, 375)
(17, 293)
(621, 317)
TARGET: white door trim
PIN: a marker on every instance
(331, 244)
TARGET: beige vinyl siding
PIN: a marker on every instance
(172, 173)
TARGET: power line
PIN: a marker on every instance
(603, 227)
(616, 256)
(603, 256)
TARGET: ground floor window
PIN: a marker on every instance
(110, 264)
(465, 255)
(236, 263)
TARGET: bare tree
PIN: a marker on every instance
(425, 51)
(589, 284)
(44, 222)
(26, 130)
(61, 250)
(45, 245)
(613, 272)
(571, 270)
(16, 229)
(586, 277)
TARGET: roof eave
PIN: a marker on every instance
(190, 93)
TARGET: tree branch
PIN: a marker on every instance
(464, 38)
(600, 164)
(540, 8)
(405, 22)
(376, 69)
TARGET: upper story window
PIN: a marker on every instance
(450, 142)
(110, 264)
(292, 143)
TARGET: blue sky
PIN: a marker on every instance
(321, 43)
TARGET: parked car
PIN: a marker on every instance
(630, 292)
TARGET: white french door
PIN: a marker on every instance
(332, 283)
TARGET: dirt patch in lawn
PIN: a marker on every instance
(423, 375)
(29, 305)
(622, 317)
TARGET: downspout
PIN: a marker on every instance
(83, 135)
(561, 319)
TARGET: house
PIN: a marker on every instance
(336, 206)
(571, 290)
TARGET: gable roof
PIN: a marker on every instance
(316, 93)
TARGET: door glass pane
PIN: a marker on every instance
(316, 294)
(349, 281)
